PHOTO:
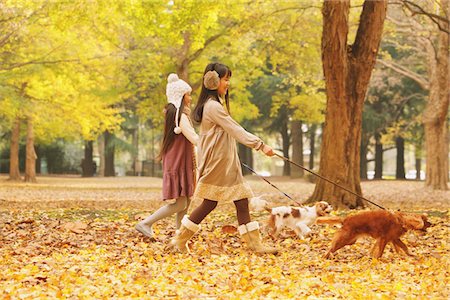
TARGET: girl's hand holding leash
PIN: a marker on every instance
(267, 150)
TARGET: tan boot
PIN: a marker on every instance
(250, 234)
(186, 231)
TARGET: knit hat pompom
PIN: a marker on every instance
(175, 90)
(211, 80)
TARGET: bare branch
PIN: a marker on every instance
(423, 82)
(415, 9)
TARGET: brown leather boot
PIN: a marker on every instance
(186, 231)
(250, 234)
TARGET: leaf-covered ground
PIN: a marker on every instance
(74, 238)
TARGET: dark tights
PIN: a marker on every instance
(207, 206)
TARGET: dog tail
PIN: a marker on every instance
(329, 220)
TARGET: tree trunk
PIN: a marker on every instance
(400, 169)
(435, 115)
(14, 172)
(109, 155)
(30, 162)
(286, 143)
(312, 145)
(245, 156)
(378, 157)
(101, 154)
(347, 70)
(297, 148)
(87, 164)
(38, 159)
(183, 57)
(418, 166)
(135, 151)
(418, 159)
(363, 157)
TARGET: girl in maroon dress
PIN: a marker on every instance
(177, 154)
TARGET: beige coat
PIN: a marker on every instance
(220, 174)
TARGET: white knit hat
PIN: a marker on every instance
(176, 88)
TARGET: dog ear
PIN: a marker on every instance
(412, 221)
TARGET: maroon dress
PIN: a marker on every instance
(179, 169)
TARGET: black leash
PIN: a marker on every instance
(328, 180)
(254, 172)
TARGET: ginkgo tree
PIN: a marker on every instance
(47, 79)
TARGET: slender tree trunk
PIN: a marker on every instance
(378, 157)
(312, 145)
(347, 69)
(30, 162)
(14, 172)
(363, 157)
(418, 165)
(245, 156)
(135, 151)
(400, 169)
(38, 159)
(88, 162)
(297, 148)
(286, 143)
(418, 159)
(109, 155)
(101, 154)
(435, 118)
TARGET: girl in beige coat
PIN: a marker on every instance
(220, 174)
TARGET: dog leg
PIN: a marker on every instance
(275, 232)
(398, 244)
(378, 248)
(304, 229)
(341, 238)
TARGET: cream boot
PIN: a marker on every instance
(186, 231)
(250, 234)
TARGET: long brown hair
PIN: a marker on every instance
(205, 94)
(169, 126)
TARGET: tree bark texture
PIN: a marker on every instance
(378, 157)
(14, 172)
(297, 148)
(363, 157)
(87, 164)
(30, 162)
(347, 69)
(400, 167)
(312, 145)
(109, 155)
(286, 143)
(435, 118)
(101, 154)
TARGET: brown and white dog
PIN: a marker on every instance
(296, 218)
(384, 226)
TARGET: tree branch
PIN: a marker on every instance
(415, 9)
(46, 62)
(405, 72)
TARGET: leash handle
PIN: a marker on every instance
(328, 180)
(254, 172)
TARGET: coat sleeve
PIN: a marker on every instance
(187, 130)
(217, 114)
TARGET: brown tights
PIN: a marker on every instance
(207, 206)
